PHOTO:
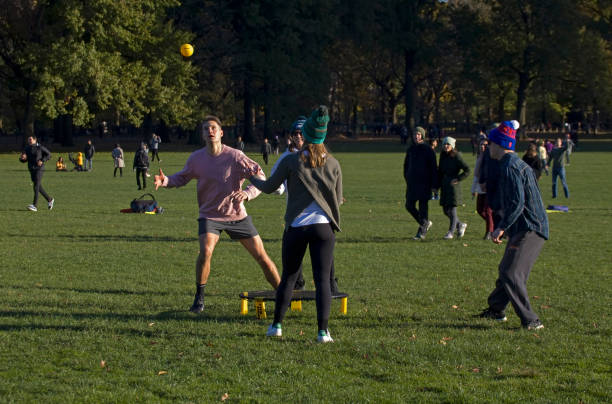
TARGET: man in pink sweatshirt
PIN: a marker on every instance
(220, 171)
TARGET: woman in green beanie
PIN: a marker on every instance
(314, 183)
(451, 170)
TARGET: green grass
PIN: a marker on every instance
(84, 284)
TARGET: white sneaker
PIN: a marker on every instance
(274, 331)
(449, 236)
(32, 208)
(51, 203)
(461, 230)
(324, 337)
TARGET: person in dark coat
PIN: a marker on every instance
(36, 155)
(141, 165)
(532, 158)
(420, 173)
(451, 170)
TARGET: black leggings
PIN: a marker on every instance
(320, 239)
(451, 212)
(421, 215)
(36, 176)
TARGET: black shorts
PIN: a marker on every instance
(237, 230)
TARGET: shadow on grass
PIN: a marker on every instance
(95, 291)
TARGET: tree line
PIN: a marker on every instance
(260, 63)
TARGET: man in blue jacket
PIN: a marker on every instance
(524, 222)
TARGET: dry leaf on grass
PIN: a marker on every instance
(476, 370)
(102, 363)
(454, 306)
(224, 397)
(499, 370)
(151, 324)
(162, 372)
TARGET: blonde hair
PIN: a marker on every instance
(314, 155)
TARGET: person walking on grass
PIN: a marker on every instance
(141, 165)
(36, 155)
(524, 223)
(155, 141)
(421, 175)
(557, 157)
(220, 172)
(479, 190)
(451, 170)
(118, 161)
(314, 184)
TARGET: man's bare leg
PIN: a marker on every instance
(255, 247)
(208, 241)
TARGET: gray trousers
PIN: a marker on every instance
(511, 285)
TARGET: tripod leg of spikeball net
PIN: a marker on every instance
(260, 309)
(244, 304)
(296, 305)
(343, 304)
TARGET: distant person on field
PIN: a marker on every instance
(478, 190)
(314, 183)
(220, 172)
(141, 165)
(421, 175)
(154, 143)
(569, 146)
(60, 165)
(36, 155)
(266, 150)
(557, 158)
(118, 161)
(88, 151)
(543, 154)
(524, 223)
(239, 144)
(532, 158)
(451, 170)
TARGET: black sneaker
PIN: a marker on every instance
(493, 315)
(334, 286)
(534, 325)
(419, 235)
(198, 305)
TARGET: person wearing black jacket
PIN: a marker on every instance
(88, 152)
(421, 175)
(141, 165)
(36, 155)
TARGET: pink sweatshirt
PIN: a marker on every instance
(219, 179)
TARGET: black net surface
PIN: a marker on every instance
(270, 295)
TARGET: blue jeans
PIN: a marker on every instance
(88, 164)
(560, 172)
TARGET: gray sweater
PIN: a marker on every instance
(304, 184)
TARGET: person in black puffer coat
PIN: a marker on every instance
(36, 155)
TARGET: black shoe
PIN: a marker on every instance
(139, 188)
(198, 305)
(334, 286)
(419, 235)
(492, 314)
(534, 325)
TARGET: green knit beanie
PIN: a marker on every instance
(315, 127)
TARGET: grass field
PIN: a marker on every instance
(94, 303)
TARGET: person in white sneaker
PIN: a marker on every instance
(314, 185)
(451, 170)
(36, 155)
(421, 175)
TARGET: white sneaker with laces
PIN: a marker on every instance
(51, 203)
(324, 337)
(32, 208)
(274, 331)
(448, 236)
(461, 230)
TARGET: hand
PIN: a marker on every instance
(39, 163)
(23, 157)
(497, 235)
(159, 179)
(240, 196)
(454, 182)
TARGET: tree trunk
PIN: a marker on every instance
(249, 116)
(267, 107)
(410, 91)
(521, 99)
